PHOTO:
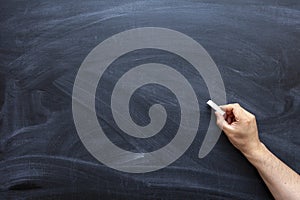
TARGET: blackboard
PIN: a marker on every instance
(255, 45)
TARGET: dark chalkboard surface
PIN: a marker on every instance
(255, 45)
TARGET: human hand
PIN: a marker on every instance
(240, 127)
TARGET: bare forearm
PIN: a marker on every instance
(240, 127)
(281, 180)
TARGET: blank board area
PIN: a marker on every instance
(254, 44)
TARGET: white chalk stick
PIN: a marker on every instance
(215, 107)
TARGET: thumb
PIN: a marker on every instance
(221, 122)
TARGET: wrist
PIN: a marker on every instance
(256, 152)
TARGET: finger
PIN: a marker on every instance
(234, 109)
(227, 108)
(229, 120)
(231, 115)
(221, 122)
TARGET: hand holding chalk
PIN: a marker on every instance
(215, 107)
(240, 127)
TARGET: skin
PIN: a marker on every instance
(240, 127)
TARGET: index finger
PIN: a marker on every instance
(232, 108)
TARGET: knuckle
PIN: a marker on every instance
(237, 104)
(248, 121)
